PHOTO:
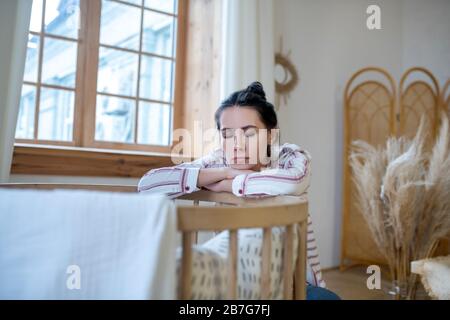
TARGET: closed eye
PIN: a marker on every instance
(250, 132)
(227, 133)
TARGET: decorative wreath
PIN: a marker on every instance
(289, 83)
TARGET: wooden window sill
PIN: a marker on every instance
(76, 161)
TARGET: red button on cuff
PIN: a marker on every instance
(240, 191)
(187, 188)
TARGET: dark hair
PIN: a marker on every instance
(254, 97)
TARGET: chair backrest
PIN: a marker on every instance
(262, 213)
(231, 213)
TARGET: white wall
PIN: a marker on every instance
(329, 41)
(426, 36)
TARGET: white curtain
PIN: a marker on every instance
(248, 46)
(14, 24)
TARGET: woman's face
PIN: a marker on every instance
(239, 128)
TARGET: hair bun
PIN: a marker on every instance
(257, 89)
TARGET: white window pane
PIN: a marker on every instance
(36, 15)
(25, 121)
(31, 62)
(154, 123)
(118, 71)
(162, 5)
(59, 62)
(120, 25)
(156, 78)
(115, 119)
(62, 17)
(56, 114)
(158, 34)
(137, 2)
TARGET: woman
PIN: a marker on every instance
(245, 166)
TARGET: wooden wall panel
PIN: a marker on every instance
(203, 63)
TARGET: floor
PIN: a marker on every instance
(351, 284)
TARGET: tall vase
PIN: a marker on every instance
(410, 289)
(397, 290)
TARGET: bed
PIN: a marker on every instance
(231, 213)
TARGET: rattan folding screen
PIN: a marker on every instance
(374, 110)
(445, 97)
(418, 97)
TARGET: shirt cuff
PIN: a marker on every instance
(238, 185)
(190, 182)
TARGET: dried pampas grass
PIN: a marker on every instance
(403, 192)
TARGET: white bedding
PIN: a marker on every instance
(114, 245)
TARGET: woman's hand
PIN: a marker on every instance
(221, 186)
(226, 185)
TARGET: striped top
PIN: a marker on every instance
(289, 176)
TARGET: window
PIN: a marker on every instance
(102, 74)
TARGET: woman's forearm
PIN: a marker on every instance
(208, 176)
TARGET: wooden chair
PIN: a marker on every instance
(230, 213)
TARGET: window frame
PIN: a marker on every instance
(85, 89)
